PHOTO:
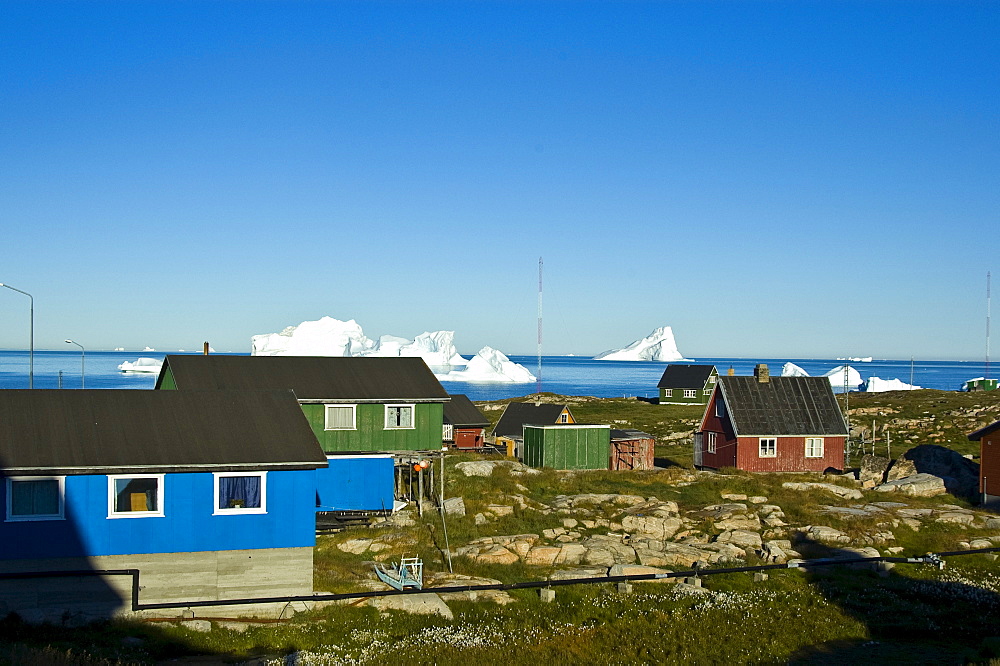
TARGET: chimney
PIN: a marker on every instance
(205, 349)
(731, 373)
(762, 374)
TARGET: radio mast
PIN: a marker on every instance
(987, 325)
(538, 376)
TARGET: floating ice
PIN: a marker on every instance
(490, 365)
(657, 346)
(836, 377)
(877, 385)
(792, 370)
(142, 364)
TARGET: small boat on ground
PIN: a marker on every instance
(142, 364)
(409, 572)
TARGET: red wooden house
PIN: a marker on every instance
(772, 424)
(464, 424)
(989, 464)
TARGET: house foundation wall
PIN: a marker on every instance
(163, 578)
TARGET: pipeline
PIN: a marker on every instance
(930, 558)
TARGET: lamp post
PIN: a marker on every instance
(31, 348)
(83, 357)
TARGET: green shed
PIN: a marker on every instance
(567, 446)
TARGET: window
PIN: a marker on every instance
(668, 393)
(814, 447)
(711, 379)
(35, 498)
(240, 492)
(398, 417)
(135, 496)
(768, 447)
(690, 393)
(564, 418)
(720, 407)
(707, 391)
(711, 441)
(340, 417)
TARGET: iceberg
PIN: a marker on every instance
(148, 349)
(141, 364)
(877, 385)
(837, 375)
(333, 337)
(490, 365)
(657, 346)
(792, 370)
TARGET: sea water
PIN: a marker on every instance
(565, 375)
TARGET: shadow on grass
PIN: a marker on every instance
(912, 618)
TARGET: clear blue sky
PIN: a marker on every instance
(800, 179)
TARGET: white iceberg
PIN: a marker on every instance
(657, 346)
(332, 337)
(142, 364)
(792, 370)
(857, 359)
(148, 349)
(490, 365)
(878, 385)
(837, 375)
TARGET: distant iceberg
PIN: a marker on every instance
(857, 359)
(142, 364)
(490, 365)
(148, 349)
(657, 346)
(792, 370)
(837, 375)
(877, 385)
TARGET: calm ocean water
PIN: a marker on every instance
(567, 375)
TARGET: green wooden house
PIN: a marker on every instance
(567, 446)
(687, 384)
(353, 404)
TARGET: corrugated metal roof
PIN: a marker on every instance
(518, 414)
(680, 376)
(120, 431)
(459, 411)
(618, 434)
(782, 406)
(348, 378)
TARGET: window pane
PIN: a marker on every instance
(339, 418)
(135, 495)
(236, 492)
(34, 498)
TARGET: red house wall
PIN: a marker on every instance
(725, 442)
(989, 464)
(791, 455)
(468, 438)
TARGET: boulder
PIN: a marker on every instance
(639, 570)
(840, 491)
(655, 526)
(544, 556)
(960, 475)
(587, 572)
(426, 603)
(355, 546)
(916, 485)
(825, 534)
(872, 470)
(454, 506)
(571, 553)
(742, 538)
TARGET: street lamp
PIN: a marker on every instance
(83, 357)
(31, 348)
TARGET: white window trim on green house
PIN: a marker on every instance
(690, 393)
(60, 487)
(338, 422)
(768, 447)
(113, 496)
(237, 510)
(814, 447)
(394, 417)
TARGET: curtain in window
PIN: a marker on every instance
(136, 494)
(399, 417)
(34, 498)
(339, 418)
(239, 492)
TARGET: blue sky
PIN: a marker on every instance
(770, 179)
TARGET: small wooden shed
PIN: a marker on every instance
(464, 425)
(631, 449)
(567, 446)
(989, 464)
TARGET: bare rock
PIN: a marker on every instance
(426, 603)
(742, 538)
(916, 485)
(840, 491)
(544, 556)
(639, 570)
(355, 546)
(454, 506)
(872, 471)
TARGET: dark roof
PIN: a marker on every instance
(982, 432)
(459, 411)
(125, 431)
(518, 414)
(685, 376)
(313, 378)
(618, 434)
(782, 406)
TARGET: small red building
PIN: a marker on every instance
(772, 424)
(464, 424)
(989, 464)
(631, 449)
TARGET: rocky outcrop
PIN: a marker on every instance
(916, 485)
(840, 491)
(959, 474)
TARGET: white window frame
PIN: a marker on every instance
(710, 442)
(564, 417)
(413, 417)
(769, 452)
(326, 416)
(690, 393)
(668, 393)
(160, 482)
(817, 443)
(61, 515)
(707, 391)
(219, 511)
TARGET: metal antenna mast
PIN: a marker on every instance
(987, 325)
(538, 377)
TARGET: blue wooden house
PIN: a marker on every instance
(209, 494)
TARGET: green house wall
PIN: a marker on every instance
(567, 447)
(677, 395)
